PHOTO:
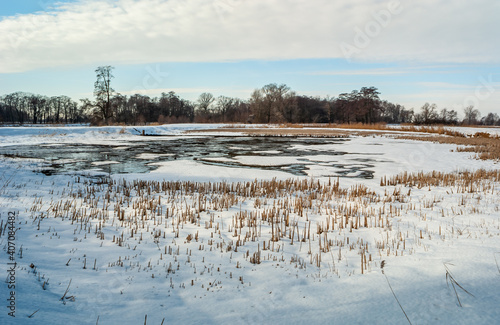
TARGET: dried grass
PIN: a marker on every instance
(450, 279)
(279, 216)
(438, 129)
(382, 265)
(267, 131)
(466, 181)
(486, 146)
(255, 221)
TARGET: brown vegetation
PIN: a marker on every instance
(282, 132)
(279, 213)
(256, 220)
(485, 146)
(466, 181)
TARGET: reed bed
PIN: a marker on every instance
(438, 129)
(277, 214)
(484, 145)
(290, 132)
(305, 224)
(465, 182)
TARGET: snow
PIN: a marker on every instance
(276, 152)
(109, 135)
(444, 228)
(103, 163)
(267, 161)
(150, 156)
(181, 170)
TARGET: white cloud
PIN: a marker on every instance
(366, 72)
(131, 31)
(434, 69)
(445, 85)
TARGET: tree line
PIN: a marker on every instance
(273, 103)
(21, 107)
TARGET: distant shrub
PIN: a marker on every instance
(481, 135)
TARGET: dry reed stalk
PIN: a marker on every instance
(382, 265)
(455, 284)
(36, 311)
(466, 181)
(66, 292)
(130, 212)
(498, 267)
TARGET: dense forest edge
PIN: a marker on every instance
(273, 103)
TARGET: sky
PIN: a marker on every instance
(437, 51)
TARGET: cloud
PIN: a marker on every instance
(366, 72)
(131, 31)
(438, 69)
(445, 85)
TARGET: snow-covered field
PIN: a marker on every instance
(243, 236)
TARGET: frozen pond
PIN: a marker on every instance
(292, 155)
(174, 154)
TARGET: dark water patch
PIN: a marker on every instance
(79, 157)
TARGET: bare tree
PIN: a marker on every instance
(204, 101)
(428, 114)
(472, 115)
(103, 91)
(273, 103)
(370, 103)
(224, 104)
(276, 98)
(255, 104)
(37, 105)
(491, 119)
(11, 105)
(448, 116)
(329, 108)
